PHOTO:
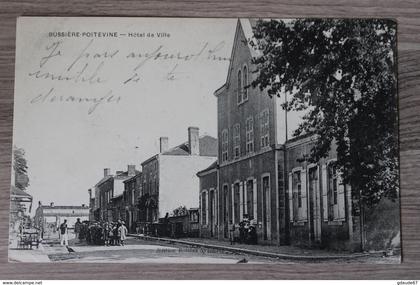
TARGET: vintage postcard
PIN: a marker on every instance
(182, 140)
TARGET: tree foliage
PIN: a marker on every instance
(20, 167)
(343, 72)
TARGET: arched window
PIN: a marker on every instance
(245, 84)
(239, 91)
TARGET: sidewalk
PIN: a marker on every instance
(34, 255)
(282, 252)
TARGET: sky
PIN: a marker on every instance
(86, 101)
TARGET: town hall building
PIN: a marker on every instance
(261, 172)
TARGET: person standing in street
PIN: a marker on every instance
(64, 237)
(122, 233)
(77, 227)
(116, 233)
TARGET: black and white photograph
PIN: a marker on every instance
(205, 140)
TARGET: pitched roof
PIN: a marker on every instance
(212, 166)
(64, 207)
(207, 145)
(138, 173)
(246, 26)
(119, 175)
(19, 192)
(103, 180)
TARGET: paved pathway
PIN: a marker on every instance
(282, 252)
(34, 255)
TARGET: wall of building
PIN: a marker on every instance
(314, 225)
(231, 113)
(131, 195)
(209, 220)
(178, 182)
(105, 190)
(251, 169)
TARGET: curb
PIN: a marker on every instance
(255, 252)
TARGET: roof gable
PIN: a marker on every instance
(244, 29)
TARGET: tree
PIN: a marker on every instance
(20, 168)
(343, 72)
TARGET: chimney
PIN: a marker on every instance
(90, 194)
(52, 204)
(131, 170)
(107, 172)
(164, 144)
(39, 203)
(193, 140)
(83, 205)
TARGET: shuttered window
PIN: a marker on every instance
(250, 198)
(335, 193)
(298, 200)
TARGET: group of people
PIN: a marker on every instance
(114, 233)
(245, 232)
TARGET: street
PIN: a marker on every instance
(149, 251)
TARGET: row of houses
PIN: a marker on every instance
(166, 183)
(256, 169)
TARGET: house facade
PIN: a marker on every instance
(110, 187)
(208, 201)
(132, 190)
(263, 173)
(169, 178)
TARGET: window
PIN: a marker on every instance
(266, 206)
(224, 145)
(204, 208)
(299, 193)
(250, 198)
(296, 199)
(239, 87)
(194, 216)
(264, 129)
(245, 84)
(236, 141)
(332, 190)
(298, 187)
(132, 194)
(236, 205)
(249, 135)
(225, 203)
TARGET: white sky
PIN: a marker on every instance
(67, 148)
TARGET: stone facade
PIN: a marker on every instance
(108, 188)
(132, 190)
(208, 202)
(263, 173)
(169, 179)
